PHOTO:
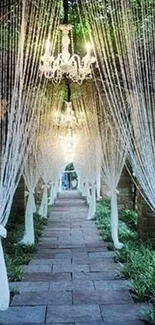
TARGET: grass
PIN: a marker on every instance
(137, 257)
(15, 254)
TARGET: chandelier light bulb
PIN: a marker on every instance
(47, 46)
(88, 48)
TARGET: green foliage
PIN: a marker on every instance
(139, 289)
(14, 271)
(103, 220)
(125, 233)
(130, 218)
(148, 315)
(39, 225)
(15, 254)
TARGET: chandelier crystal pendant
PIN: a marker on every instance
(66, 64)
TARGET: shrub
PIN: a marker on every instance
(130, 218)
(15, 254)
(148, 315)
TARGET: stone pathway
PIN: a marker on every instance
(72, 279)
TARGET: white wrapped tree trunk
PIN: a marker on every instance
(79, 183)
(4, 286)
(92, 205)
(43, 210)
(56, 189)
(29, 238)
(84, 189)
(60, 185)
(98, 186)
(88, 198)
(51, 201)
(114, 220)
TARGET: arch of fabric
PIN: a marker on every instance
(96, 149)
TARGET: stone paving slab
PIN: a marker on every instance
(64, 260)
(102, 297)
(60, 251)
(91, 323)
(29, 286)
(15, 315)
(89, 260)
(71, 285)
(52, 238)
(37, 268)
(104, 266)
(109, 254)
(42, 298)
(71, 268)
(89, 250)
(72, 314)
(122, 313)
(95, 245)
(112, 285)
(62, 263)
(46, 253)
(45, 245)
(71, 245)
(43, 324)
(113, 323)
(58, 276)
(71, 255)
(110, 275)
(42, 261)
(76, 232)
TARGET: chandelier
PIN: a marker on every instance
(68, 119)
(66, 64)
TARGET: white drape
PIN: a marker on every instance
(43, 210)
(92, 202)
(51, 198)
(4, 286)
(113, 160)
(31, 176)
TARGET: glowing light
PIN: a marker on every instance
(48, 46)
(68, 119)
(88, 47)
(68, 144)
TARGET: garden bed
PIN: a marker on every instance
(137, 257)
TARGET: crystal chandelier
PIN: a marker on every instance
(66, 64)
(68, 119)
